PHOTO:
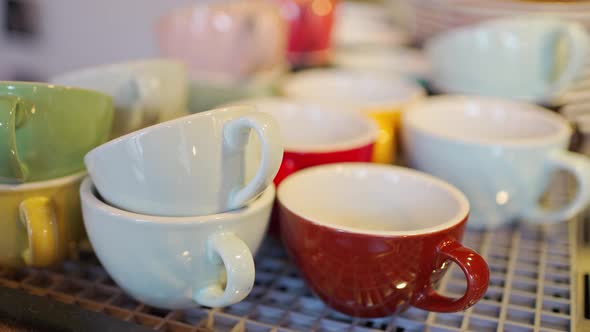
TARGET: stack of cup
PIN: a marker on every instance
(176, 198)
(45, 131)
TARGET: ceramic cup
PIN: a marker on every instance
(410, 63)
(177, 263)
(144, 92)
(45, 129)
(529, 58)
(191, 166)
(310, 28)
(381, 97)
(500, 153)
(206, 94)
(366, 244)
(40, 222)
(314, 134)
(224, 41)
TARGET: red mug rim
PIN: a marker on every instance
(460, 216)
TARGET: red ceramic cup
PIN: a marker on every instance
(315, 135)
(310, 30)
(371, 240)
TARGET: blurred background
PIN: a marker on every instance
(41, 38)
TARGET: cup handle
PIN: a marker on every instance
(10, 119)
(234, 254)
(579, 166)
(384, 149)
(37, 214)
(476, 272)
(578, 43)
(236, 134)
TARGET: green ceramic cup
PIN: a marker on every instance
(45, 130)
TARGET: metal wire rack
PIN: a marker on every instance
(532, 288)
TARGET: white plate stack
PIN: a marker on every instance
(424, 18)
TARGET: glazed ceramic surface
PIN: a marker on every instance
(177, 263)
(40, 222)
(381, 97)
(224, 41)
(144, 92)
(367, 246)
(528, 58)
(500, 153)
(37, 138)
(194, 165)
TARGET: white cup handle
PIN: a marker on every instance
(234, 254)
(578, 44)
(236, 134)
(579, 166)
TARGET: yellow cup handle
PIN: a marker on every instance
(37, 214)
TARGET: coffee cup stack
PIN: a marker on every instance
(171, 211)
(45, 131)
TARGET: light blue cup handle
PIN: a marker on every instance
(578, 43)
(579, 166)
(236, 133)
(230, 251)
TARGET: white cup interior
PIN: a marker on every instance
(485, 120)
(308, 127)
(374, 199)
(350, 87)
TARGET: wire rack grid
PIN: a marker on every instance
(531, 289)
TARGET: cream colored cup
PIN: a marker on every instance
(40, 222)
(144, 92)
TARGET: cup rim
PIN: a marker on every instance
(88, 196)
(446, 88)
(496, 24)
(166, 124)
(461, 215)
(59, 87)
(370, 136)
(55, 182)
(416, 90)
(562, 127)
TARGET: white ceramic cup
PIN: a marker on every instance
(177, 263)
(144, 92)
(500, 153)
(353, 89)
(527, 58)
(191, 166)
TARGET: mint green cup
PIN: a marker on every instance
(45, 129)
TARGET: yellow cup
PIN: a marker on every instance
(388, 120)
(40, 222)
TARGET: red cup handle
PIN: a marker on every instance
(476, 271)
